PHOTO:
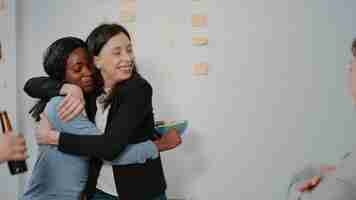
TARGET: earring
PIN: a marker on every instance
(98, 66)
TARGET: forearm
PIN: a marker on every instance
(98, 146)
(135, 105)
(78, 136)
(42, 87)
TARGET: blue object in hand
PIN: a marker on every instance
(180, 126)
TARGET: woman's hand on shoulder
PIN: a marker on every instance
(73, 103)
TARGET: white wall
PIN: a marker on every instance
(274, 98)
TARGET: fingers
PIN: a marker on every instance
(74, 110)
(20, 140)
(306, 185)
(77, 110)
(65, 104)
(310, 184)
(19, 149)
(315, 180)
(20, 156)
(172, 139)
(73, 94)
(176, 137)
(70, 108)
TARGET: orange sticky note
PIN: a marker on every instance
(200, 69)
(199, 21)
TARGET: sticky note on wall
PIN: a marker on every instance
(200, 69)
(199, 21)
(128, 11)
(199, 40)
(127, 14)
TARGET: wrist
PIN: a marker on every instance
(159, 146)
(54, 139)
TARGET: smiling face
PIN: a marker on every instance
(78, 70)
(115, 60)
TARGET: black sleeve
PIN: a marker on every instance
(43, 87)
(134, 106)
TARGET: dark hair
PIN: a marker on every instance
(55, 62)
(96, 41)
(353, 47)
(56, 55)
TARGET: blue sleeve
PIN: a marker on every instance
(137, 153)
(81, 125)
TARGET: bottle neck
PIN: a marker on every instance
(5, 122)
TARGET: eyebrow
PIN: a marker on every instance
(119, 47)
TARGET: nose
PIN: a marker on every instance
(126, 56)
(87, 70)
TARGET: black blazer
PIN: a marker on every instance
(130, 121)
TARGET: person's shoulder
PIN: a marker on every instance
(52, 111)
(137, 82)
(52, 106)
(55, 101)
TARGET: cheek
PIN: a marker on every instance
(68, 77)
(108, 65)
(108, 70)
(118, 75)
(74, 79)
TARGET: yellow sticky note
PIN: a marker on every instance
(200, 40)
